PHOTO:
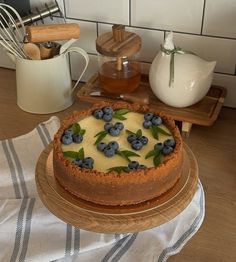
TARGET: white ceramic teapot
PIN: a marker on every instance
(179, 78)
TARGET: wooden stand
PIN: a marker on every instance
(118, 219)
(203, 113)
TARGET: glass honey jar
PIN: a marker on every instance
(119, 71)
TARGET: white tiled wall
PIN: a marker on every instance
(111, 11)
(176, 15)
(206, 27)
(220, 18)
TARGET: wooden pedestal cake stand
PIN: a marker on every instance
(119, 219)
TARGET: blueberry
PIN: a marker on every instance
(87, 165)
(89, 160)
(167, 150)
(109, 151)
(147, 124)
(114, 145)
(66, 139)
(156, 121)
(133, 165)
(101, 146)
(136, 145)
(107, 117)
(77, 138)
(68, 131)
(119, 125)
(158, 146)
(108, 126)
(107, 110)
(142, 167)
(170, 142)
(98, 114)
(114, 131)
(131, 138)
(78, 162)
(143, 140)
(148, 116)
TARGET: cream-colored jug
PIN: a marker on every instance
(45, 86)
(179, 78)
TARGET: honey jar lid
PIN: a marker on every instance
(118, 43)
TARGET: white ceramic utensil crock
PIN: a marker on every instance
(45, 86)
(178, 78)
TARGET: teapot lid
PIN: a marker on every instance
(118, 43)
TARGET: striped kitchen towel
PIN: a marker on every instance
(29, 232)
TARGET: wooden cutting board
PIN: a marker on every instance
(106, 219)
(203, 113)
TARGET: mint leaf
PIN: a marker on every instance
(122, 111)
(162, 131)
(126, 154)
(74, 154)
(119, 114)
(120, 117)
(157, 159)
(71, 154)
(151, 153)
(154, 131)
(100, 136)
(81, 153)
(118, 169)
(99, 133)
(129, 153)
(76, 128)
(129, 132)
(82, 132)
(139, 132)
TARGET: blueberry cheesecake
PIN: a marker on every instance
(117, 154)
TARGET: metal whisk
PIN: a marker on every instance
(11, 35)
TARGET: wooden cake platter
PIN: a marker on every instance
(120, 219)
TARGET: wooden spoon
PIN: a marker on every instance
(32, 51)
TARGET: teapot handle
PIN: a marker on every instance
(86, 57)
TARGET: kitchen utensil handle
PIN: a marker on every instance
(54, 32)
(86, 57)
(141, 99)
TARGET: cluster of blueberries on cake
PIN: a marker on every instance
(137, 141)
(87, 162)
(69, 137)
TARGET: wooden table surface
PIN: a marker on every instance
(214, 148)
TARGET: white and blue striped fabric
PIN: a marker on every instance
(29, 232)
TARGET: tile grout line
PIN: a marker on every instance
(224, 73)
(129, 12)
(203, 15)
(156, 29)
(97, 28)
(64, 8)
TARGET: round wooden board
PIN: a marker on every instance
(106, 219)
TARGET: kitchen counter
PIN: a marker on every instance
(214, 148)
